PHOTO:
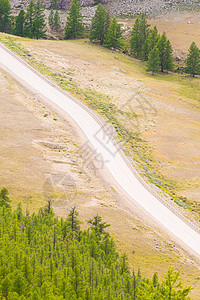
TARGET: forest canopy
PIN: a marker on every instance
(44, 257)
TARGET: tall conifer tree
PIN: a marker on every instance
(168, 61)
(5, 11)
(19, 23)
(98, 25)
(153, 63)
(74, 26)
(153, 38)
(39, 21)
(113, 36)
(161, 45)
(139, 36)
(56, 20)
(193, 60)
(29, 21)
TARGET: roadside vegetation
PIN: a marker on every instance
(43, 257)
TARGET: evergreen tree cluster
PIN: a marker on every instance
(102, 30)
(5, 11)
(32, 23)
(149, 46)
(43, 257)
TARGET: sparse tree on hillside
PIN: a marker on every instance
(168, 61)
(162, 48)
(39, 21)
(74, 26)
(5, 11)
(139, 36)
(108, 19)
(98, 25)
(153, 38)
(193, 60)
(4, 198)
(172, 286)
(50, 18)
(98, 226)
(153, 63)
(19, 23)
(165, 52)
(56, 20)
(73, 222)
(136, 40)
(29, 21)
(113, 36)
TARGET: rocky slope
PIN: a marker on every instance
(62, 4)
(151, 7)
(121, 7)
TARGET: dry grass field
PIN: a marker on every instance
(161, 112)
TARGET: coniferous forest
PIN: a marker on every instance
(44, 257)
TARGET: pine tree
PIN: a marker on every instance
(97, 226)
(73, 222)
(39, 21)
(51, 18)
(98, 25)
(153, 63)
(74, 26)
(29, 21)
(193, 60)
(153, 38)
(161, 45)
(5, 11)
(144, 28)
(172, 286)
(56, 20)
(4, 198)
(136, 40)
(19, 23)
(165, 52)
(113, 36)
(168, 60)
(108, 19)
(139, 36)
(145, 50)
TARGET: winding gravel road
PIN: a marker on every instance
(114, 160)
